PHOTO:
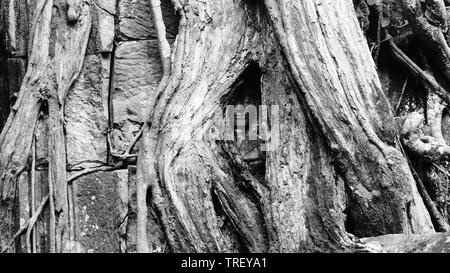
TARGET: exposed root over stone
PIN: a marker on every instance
(29, 224)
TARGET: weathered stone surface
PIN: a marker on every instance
(135, 20)
(136, 77)
(40, 190)
(99, 210)
(156, 236)
(105, 213)
(87, 113)
(103, 29)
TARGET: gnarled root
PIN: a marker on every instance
(425, 141)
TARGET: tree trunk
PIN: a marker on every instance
(314, 160)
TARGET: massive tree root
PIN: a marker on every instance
(207, 56)
(338, 168)
(336, 173)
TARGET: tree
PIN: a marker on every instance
(339, 172)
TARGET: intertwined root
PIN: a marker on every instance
(422, 130)
(48, 79)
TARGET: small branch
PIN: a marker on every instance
(416, 70)
(32, 184)
(95, 170)
(135, 140)
(398, 39)
(35, 217)
(379, 10)
(36, 16)
(401, 95)
(52, 225)
(142, 186)
(126, 155)
(160, 27)
(432, 33)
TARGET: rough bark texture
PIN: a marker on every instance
(383, 197)
(360, 131)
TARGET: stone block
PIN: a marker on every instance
(87, 113)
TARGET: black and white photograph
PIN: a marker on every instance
(241, 129)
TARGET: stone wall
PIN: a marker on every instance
(119, 78)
